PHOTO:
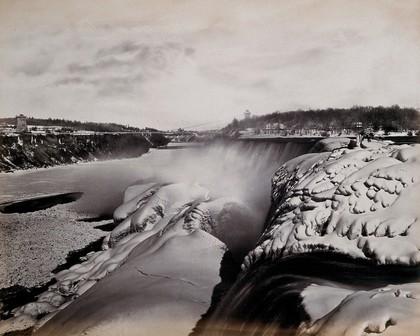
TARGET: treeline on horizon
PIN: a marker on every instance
(389, 119)
(74, 125)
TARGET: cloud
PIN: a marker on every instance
(307, 57)
(125, 67)
(122, 48)
(120, 85)
(70, 81)
(189, 51)
(34, 68)
(109, 63)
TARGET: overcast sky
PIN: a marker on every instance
(170, 64)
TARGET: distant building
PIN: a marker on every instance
(358, 125)
(247, 114)
(247, 132)
(21, 124)
(275, 128)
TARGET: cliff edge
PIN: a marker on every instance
(36, 151)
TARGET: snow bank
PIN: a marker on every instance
(359, 202)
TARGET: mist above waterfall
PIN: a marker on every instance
(240, 169)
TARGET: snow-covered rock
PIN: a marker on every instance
(359, 202)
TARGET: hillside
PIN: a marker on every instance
(389, 119)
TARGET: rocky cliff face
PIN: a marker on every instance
(35, 151)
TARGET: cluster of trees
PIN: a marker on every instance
(159, 140)
(74, 125)
(393, 118)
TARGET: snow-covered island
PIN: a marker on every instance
(339, 256)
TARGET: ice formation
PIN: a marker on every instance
(166, 242)
(390, 310)
(359, 202)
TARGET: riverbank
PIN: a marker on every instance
(41, 242)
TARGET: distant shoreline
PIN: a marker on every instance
(277, 138)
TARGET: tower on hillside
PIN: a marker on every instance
(21, 124)
(247, 114)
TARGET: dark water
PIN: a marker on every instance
(39, 203)
(266, 299)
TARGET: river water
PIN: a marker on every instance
(102, 182)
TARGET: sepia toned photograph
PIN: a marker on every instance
(209, 167)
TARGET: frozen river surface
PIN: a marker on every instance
(102, 183)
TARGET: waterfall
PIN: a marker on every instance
(240, 169)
